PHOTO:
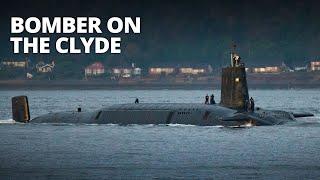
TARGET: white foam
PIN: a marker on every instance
(7, 121)
(180, 125)
(190, 125)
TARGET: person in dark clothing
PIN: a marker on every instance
(207, 99)
(246, 105)
(136, 101)
(251, 104)
(212, 101)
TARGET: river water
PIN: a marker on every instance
(74, 151)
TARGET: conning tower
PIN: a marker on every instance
(234, 88)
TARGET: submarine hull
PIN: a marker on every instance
(157, 113)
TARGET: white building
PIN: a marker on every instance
(29, 76)
(137, 71)
(16, 63)
(161, 70)
(192, 71)
(268, 69)
(45, 68)
(94, 69)
(315, 66)
(126, 72)
(301, 68)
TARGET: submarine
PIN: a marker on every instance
(231, 111)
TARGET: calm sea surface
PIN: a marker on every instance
(70, 151)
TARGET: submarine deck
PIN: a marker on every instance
(166, 106)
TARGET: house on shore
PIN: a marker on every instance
(315, 66)
(95, 69)
(14, 63)
(181, 70)
(45, 68)
(195, 70)
(126, 71)
(153, 71)
(266, 69)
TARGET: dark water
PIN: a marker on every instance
(70, 151)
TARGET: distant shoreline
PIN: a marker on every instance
(106, 85)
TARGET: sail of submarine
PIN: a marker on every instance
(229, 112)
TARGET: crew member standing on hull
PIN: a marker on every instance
(136, 101)
(251, 104)
(212, 101)
(246, 105)
(206, 99)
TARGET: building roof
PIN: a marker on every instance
(96, 65)
(46, 65)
